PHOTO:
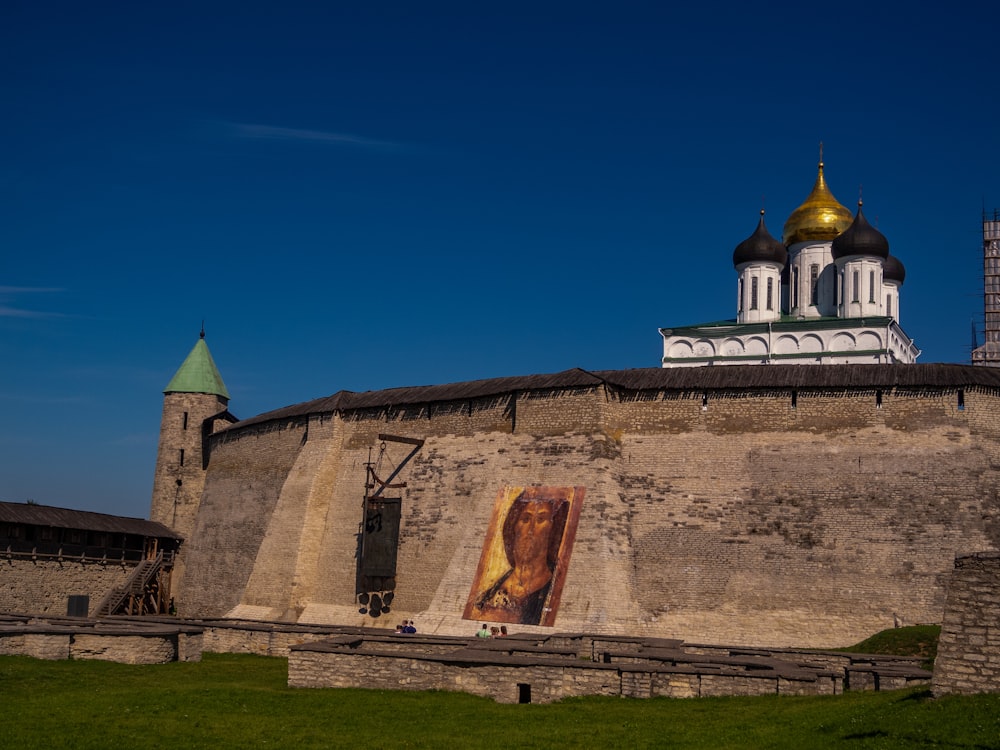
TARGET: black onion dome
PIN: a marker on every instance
(861, 238)
(760, 247)
(892, 269)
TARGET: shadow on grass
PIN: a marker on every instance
(919, 695)
(866, 735)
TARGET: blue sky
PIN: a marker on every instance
(366, 195)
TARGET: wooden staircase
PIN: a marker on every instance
(140, 594)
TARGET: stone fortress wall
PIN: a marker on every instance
(43, 586)
(968, 659)
(779, 515)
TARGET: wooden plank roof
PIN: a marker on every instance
(65, 518)
(728, 378)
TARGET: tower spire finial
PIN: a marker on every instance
(202, 329)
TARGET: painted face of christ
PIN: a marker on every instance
(532, 532)
(523, 563)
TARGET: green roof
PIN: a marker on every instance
(198, 374)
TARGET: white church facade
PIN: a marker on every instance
(828, 293)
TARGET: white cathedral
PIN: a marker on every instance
(827, 294)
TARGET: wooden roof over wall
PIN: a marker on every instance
(678, 379)
(82, 520)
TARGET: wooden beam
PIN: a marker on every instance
(399, 439)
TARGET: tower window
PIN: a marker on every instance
(795, 399)
(856, 291)
(753, 293)
(871, 286)
(878, 399)
(961, 400)
(181, 456)
(888, 305)
(770, 294)
(185, 421)
(814, 284)
(739, 292)
(795, 286)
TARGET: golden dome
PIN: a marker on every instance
(820, 217)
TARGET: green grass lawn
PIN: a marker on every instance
(238, 701)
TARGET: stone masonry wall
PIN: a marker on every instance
(245, 478)
(838, 529)
(124, 644)
(43, 587)
(814, 518)
(179, 479)
(499, 682)
(968, 659)
(124, 649)
(534, 679)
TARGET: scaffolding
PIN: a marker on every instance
(988, 355)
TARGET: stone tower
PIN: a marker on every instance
(194, 406)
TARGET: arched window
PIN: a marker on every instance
(770, 294)
(753, 293)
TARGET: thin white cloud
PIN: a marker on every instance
(27, 289)
(6, 311)
(14, 312)
(272, 132)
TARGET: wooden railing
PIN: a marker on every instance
(127, 556)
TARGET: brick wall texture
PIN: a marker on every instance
(548, 680)
(179, 479)
(968, 659)
(754, 518)
(44, 586)
(85, 641)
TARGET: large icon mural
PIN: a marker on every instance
(525, 555)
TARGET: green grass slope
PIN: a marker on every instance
(916, 640)
(238, 701)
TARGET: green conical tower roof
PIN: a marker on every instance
(198, 374)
